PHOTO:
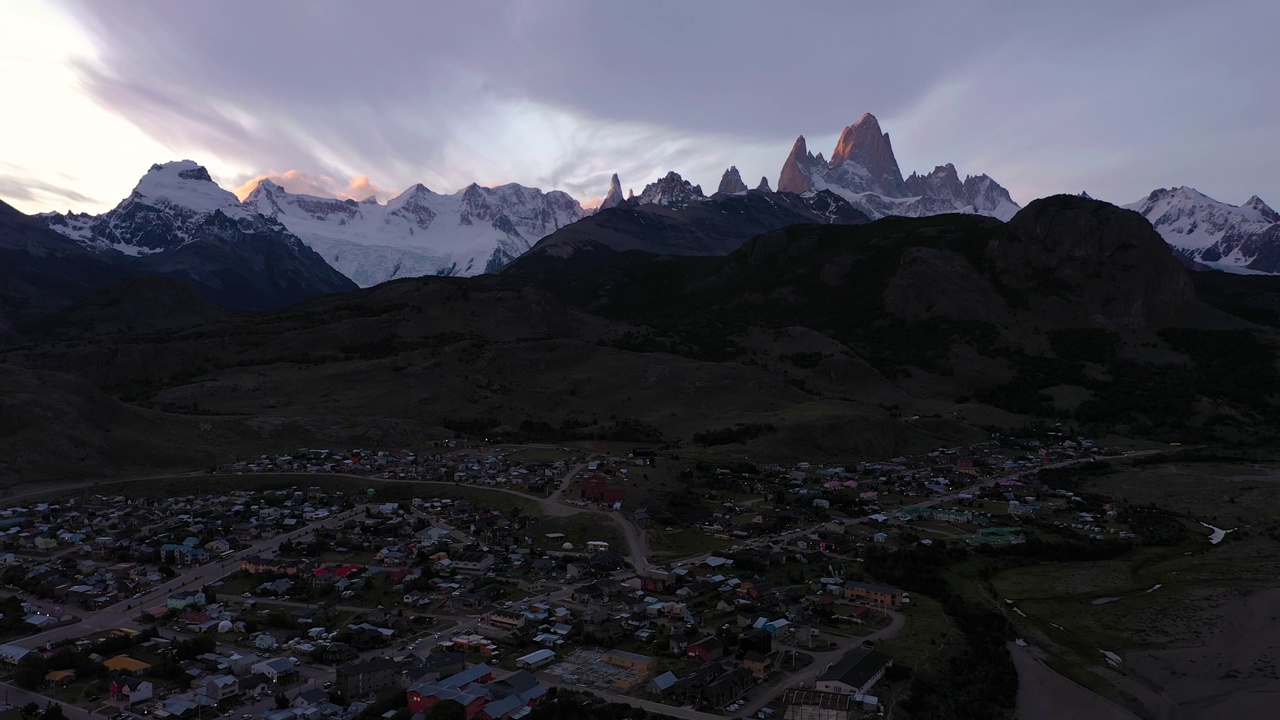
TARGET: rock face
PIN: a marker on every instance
(865, 172)
(1121, 266)
(731, 182)
(865, 144)
(671, 191)
(1213, 233)
(614, 197)
(764, 185)
(794, 177)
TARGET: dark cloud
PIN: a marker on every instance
(1112, 97)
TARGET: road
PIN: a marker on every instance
(122, 613)
(763, 694)
(18, 697)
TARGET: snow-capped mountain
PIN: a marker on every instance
(420, 232)
(1243, 238)
(163, 212)
(178, 222)
(865, 172)
(671, 191)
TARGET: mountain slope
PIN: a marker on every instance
(419, 232)
(1217, 234)
(865, 172)
(694, 226)
(836, 335)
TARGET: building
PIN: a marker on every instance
(277, 670)
(707, 649)
(220, 687)
(130, 690)
(535, 659)
(855, 673)
(11, 655)
(360, 679)
(507, 619)
(623, 659)
(882, 595)
(126, 664)
(758, 664)
(472, 563)
(186, 599)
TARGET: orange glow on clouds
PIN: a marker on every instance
(298, 182)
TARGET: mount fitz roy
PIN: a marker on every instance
(864, 171)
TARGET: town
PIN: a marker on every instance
(356, 583)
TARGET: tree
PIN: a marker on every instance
(53, 711)
(446, 710)
(282, 701)
(30, 671)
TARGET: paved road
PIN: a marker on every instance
(762, 695)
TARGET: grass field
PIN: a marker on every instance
(924, 638)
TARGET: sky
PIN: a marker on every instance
(354, 99)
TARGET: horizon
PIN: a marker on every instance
(492, 103)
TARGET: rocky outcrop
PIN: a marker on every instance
(794, 177)
(614, 197)
(1118, 264)
(764, 185)
(731, 182)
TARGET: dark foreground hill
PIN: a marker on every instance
(811, 341)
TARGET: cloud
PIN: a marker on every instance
(296, 181)
(22, 188)
(1114, 98)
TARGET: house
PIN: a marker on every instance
(662, 684)
(220, 687)
(266, 641)
(359, 679)
(186, 599)
(855, 673)
(308, 699)
(423, 695)
(678, 643)
(882, 595)
(473, 563)
(535, 659)
(707, 649)
(726, 687)
(131, 690)
(277, 670)
(757, 664)
(11, 655)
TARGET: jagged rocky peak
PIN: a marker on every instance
(864, 143)
(943, 182)
(614, 197)
(631, 194)
(671, 191)
(731, 182)
(764, 185)
(794, 177)
(1085, 194)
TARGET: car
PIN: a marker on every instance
(437, 634)
(246, 716)
(328, 684)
